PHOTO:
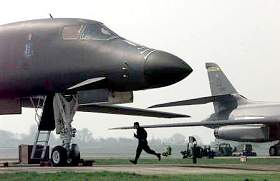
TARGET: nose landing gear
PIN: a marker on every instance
(60, 156)
(65, 108)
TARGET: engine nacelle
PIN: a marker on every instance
(243, 133)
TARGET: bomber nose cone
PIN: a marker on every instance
(162, 69)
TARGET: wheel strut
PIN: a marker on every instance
(65, 107)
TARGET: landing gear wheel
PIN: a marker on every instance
(74, 161)
(277, 150)
(59, 156)
(74, 156)
(272, 151)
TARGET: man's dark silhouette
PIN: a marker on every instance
(142, 143)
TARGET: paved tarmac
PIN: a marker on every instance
(149, 169)
(153, 169)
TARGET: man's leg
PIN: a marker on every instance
(150, 151)
(138, 153)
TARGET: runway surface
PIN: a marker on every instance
(154, 169)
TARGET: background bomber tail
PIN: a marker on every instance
(224, 96)
(219, 84)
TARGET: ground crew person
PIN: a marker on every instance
(141, 135)
(193, 141)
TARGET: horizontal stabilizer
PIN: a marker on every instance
(201, 100)
(112, 109)
(249, 120)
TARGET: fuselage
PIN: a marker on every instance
(249, 132)
(50, 55)
(240, 107)
(256, 109)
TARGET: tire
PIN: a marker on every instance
(272, 151)
(74, 156)
(59, 156)
(75, 160)
(277, 150)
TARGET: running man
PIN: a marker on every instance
(142, 143)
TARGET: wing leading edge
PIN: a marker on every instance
(258, 120)
(113, 109)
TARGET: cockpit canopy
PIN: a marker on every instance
(94, 31)
(98, 32)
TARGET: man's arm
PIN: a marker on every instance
(135, 135)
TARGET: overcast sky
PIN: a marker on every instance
(242, 36)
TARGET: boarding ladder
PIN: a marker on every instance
(41, 141)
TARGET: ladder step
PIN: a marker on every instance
(40, 144)
(36, 158)
(39, 149)
(41, 141)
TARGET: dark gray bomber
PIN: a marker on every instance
(52, 55)
(69, 65)
(236, 118)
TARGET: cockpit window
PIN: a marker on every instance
(98, 31)
(71, 32)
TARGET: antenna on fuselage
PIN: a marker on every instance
(51, 16)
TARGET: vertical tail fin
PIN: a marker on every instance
(219, 84)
